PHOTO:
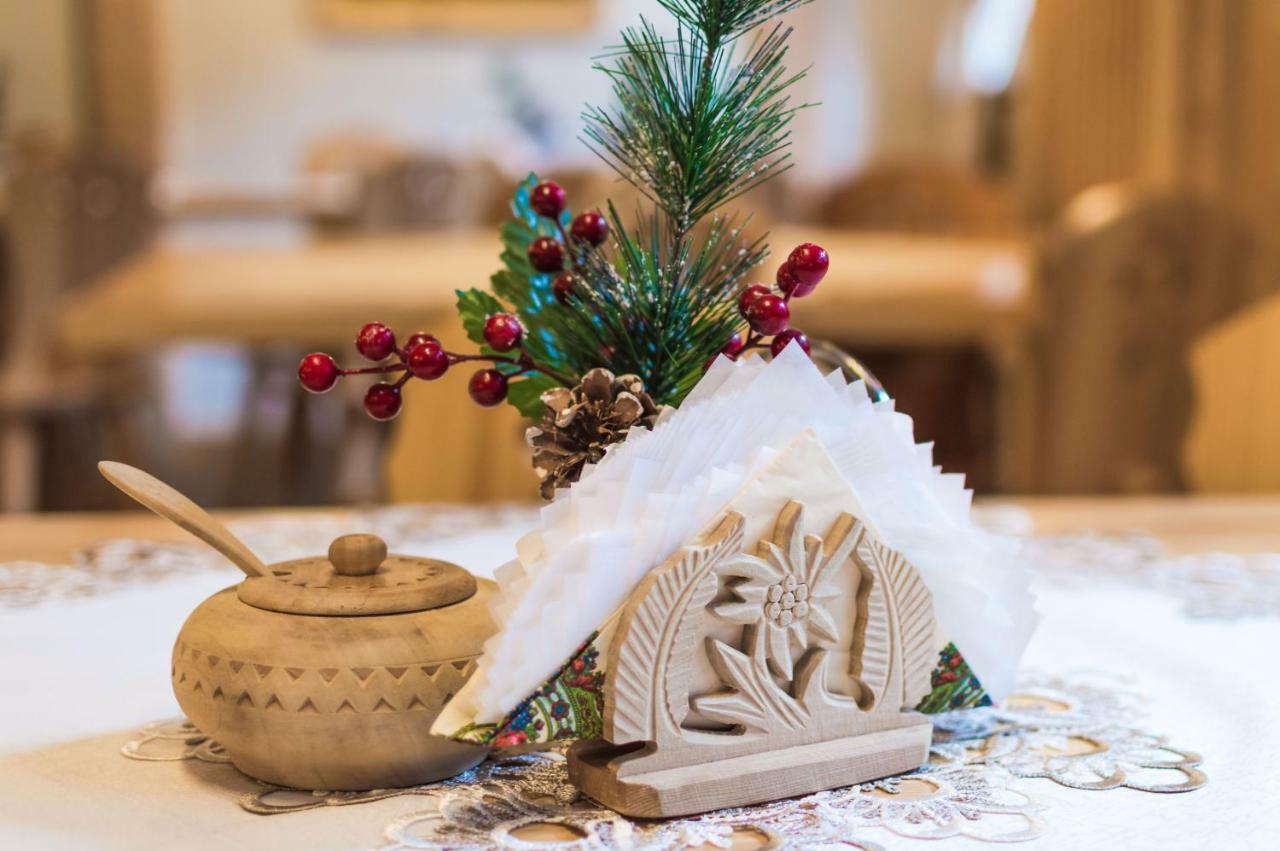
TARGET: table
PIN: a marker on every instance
(1184, 524)
(882, 288)
(1116, 610)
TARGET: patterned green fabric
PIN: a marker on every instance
(569, 705)
(954, 685)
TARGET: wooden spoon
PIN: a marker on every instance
(173, 506)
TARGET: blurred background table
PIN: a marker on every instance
(894, 290)
(882, 287)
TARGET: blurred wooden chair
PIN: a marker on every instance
(1131, 277)
(71, 215)
(921, 197)
(1233, 444)
(950, 392)
(359, 184)
(425, 191)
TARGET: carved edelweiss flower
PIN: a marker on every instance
(786, 589)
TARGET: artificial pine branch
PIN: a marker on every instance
(694, 128)
(700, 119)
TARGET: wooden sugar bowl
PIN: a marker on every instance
(328, 673)
(325, 672)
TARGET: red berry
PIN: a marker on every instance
(768, 315)
(808, 264)
(488, 387)
(546, 255)
(787, 279)
(590, 227)
(382, 401)
(376, 341)
(735, 345)
(415, 339)
(564, 287)
(749, 296)
(790, 335)
(318, 372)
(503, 332)
(427, 360)
(547, 199)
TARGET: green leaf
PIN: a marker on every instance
(525, 394)
(474, 307)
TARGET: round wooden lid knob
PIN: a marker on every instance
(357, 555)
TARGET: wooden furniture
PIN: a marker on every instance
(903, 289)
(880, 287)
(1174, 93)
(764, 730)
(71, 215)
(921, 197)
(325, 673)
(1131, 277)
(1233, 443)
(968, 396)
(513, 17)
(418, 191)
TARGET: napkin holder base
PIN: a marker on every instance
(659, 757)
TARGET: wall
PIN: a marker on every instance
(249, 84)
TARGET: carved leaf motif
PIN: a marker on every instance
(899, 612)
(651, 681)
(753, 700)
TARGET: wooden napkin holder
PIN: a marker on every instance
(740, 677)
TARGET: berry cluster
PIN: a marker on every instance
(546, 253)
(422, 356)
(768, 313)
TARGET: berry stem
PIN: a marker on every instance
(381, 369)
(525, 362)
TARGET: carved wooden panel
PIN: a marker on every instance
(798, 600)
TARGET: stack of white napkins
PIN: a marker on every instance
(658, 489)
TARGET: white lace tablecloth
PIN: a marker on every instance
(1148, 675)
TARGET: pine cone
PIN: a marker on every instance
(582, 423)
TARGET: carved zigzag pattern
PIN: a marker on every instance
(246, 684)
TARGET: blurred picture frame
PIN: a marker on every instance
(510, 17)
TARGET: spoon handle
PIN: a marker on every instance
(173, 506)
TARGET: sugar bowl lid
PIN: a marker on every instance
(358, 578)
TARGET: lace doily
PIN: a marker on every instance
(1082, 733)
(117, 564)
(1224, 586)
